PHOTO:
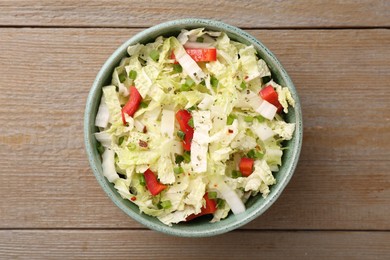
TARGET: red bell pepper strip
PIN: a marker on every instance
(152, 184)
(183, 116)
(200, 55)
(209, 208)
(269, 94)
(132, 104)
(246, 166)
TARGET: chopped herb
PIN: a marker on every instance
(178, 170)
(120, 140)
(189, 82)
(200, 39)
(131, 146)
(192, 108)
(133, 74)
(236, 174)
(243, 85)
(166, 204)
(155, 55)
(214, 82)
(230, 119)
(248, 119)
(122, 76)
(187, 156)
(177, 68)
(251, 154)
(212, 195)
(179, 159)
(181, 134)
(259, 155)
(220, 203)
(255, 154)
(260, 119)
(143, 104)
(141, 179)
(185, 87)
(191, 122)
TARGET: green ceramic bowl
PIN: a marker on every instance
(200, 227)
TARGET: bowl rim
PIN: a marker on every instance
(113, 61)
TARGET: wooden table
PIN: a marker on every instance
(337, 205)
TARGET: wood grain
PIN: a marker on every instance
(137, 244)
(343, 179)
(248, 14)
(318, 197)
(337, 205)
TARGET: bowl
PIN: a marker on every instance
(255, 205)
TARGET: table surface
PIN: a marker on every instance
(337, 205)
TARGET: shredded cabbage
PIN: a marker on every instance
(230, 121)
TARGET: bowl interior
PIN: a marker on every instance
(199, 227)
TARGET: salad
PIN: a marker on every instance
(192, 125)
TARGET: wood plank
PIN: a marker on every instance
(320, 196)
(249, 14)
(342, 181)
(139, 244)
